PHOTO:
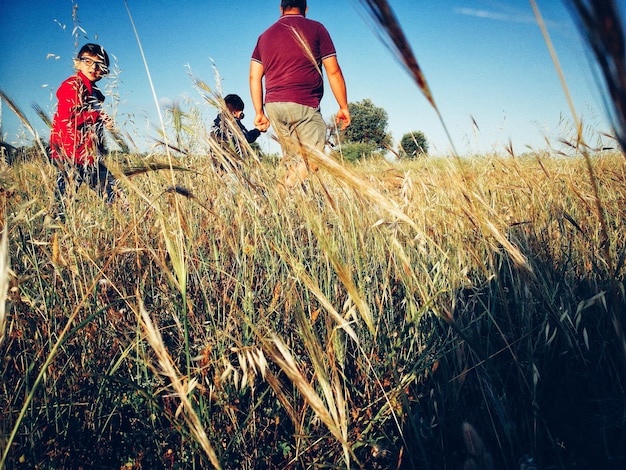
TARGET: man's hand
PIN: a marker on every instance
(343, 118)
(261, 122)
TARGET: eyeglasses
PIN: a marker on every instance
(89, 62)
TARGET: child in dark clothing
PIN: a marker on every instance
(224, 134)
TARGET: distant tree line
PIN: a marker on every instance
(368, 135)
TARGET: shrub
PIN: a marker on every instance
(353, 152)
(413, 145)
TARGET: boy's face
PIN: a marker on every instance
(91, 66)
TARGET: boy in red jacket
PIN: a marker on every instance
(77, 136)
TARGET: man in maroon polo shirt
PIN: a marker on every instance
(290, 56)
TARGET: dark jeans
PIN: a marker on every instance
(96, 176)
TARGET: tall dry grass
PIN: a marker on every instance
(382, 316)
(359, 322)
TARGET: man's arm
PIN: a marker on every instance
(256, 93)
(338, 86)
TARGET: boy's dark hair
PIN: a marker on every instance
(234, 102)
(300, 4)
(95, 50)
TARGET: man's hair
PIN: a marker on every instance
(234, 102)
(95, 50)
(299, 4)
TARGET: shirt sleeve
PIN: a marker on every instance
(327, 47)
(256, 54)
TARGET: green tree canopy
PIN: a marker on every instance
(369, 124)
(413, 145)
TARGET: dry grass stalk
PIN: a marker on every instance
(43, 115)
(314, 288)
(181, 388)
(152, 166)
(307, 50)
(604, 32)
(4, 280)
(600, 24)
(394, 38)
(356, 182)
(335, 422)
(18, 112)
(396, 41)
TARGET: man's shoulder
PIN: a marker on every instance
(308, 23)
(314, 22)
(293, 21)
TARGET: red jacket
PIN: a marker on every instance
(78, 130)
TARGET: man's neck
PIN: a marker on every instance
(292, 11)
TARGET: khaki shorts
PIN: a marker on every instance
(296, 124)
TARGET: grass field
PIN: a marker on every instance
(443, 313)
(388, 316)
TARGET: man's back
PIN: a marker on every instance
(291, 52)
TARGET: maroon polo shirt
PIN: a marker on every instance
(291, 74)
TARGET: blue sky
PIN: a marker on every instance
(485, 61)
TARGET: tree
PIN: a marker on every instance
(369, 125)
(413, 145)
